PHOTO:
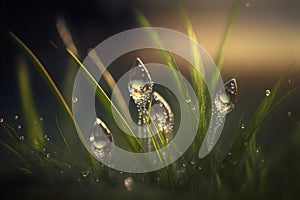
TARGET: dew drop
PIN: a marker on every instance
(97, 180)
(128, 183)
(21, 138)
(245, 143)
(161, 116)
(229, 153)
(243, 127)
(41, 119)
(188, 100)
(192, 162)
(74, 99)
(85, 174)
(262, 160)
(193, 108)
(225, 102)
(16, 117)
(199, 168)
(100, 140)
(19, 127)
(247, 4)
(289, 114)
(268, 92)
(48, 155)
(1, 120)
(140, 84)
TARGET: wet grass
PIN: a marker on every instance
(235, 172)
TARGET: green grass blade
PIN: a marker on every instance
(33, 125)
(40, 67)
(62, 135)
(221, 54)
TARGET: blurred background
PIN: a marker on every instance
(264, 40)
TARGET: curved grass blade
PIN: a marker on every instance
(43, 73)
(33, 125)
(221, 54)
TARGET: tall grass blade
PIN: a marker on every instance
(33, 125)
(221, 54)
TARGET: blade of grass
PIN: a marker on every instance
(221, 54)
(43, 73)
(33, 126)
(62, 135)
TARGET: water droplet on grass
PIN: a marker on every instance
(268, 92)
(199, 168)
(74, 99)
(243, 126)
(19, 127)
(140, 84)
(1, 120)
(16, 117)
(41, 119)
(128, 183)
(289, 114)
(21, 138)
(247, 4)
(48, 155)
(161, 115)
(225, 102)
(85, 174)
(100, 140)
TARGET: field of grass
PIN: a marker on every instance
(36, 164)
